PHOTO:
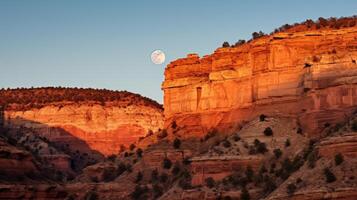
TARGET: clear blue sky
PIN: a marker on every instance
(107, 44)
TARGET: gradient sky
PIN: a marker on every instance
(107, 44)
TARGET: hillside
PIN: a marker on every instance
(273, 118)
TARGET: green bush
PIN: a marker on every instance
(249, 173)
(354, 125)
(287, 142)
(226, 143)
(291, 188)
(91, 195)
(163, 134)
(268, 131)
(329, 176)
(210, 182)
(177, 143)
(132, 147)
(277, 153)
(139, 152)
(244, 194)
(139, 192)
(262, 117)
(139, 177)
(225, 44)
(338, 159)
(166, 163)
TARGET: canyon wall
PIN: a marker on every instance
(86, 126)
(308, 75)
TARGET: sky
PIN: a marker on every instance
(107, 43)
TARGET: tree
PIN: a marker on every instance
(330, 177)
(91, 195)
(226, 143)
(249, 173)
(132, 147)
(139, 152)
(177, 143)
(354, 126)
(338, 159)
(287, 142)
(277, 153)
(225, 44)
(262, 117)
(139, 177)
(139, 192)
(174, 125)
(291, 188)
(166, 164)
(210, 182)
(268, 131)
(244, 194)
(154, 176)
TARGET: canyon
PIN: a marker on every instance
(307, 75)
(272, 118)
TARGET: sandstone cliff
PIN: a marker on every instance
(309, 75)
(101, 126)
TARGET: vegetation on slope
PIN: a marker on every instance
(27, 98)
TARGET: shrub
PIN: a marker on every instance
(132, 147)
(225, 44)
(287, 142)
(164, 177)
(354, 125)
(226, 143)
(174, 125)
(166, 163)
(262, 117)
(260, 146)
(210, 182)
(236, 138)
(139, 177)
(139, 192)
(177, 143)
(268, 131)
(311, 159)
(91, 195)
(277, 153)
(109, 175)
(291, 188)
(244, 194)
(210, 134)
(249, 173)
(163, 134)
(176, 169)
(139, 152)
(157, 190)
(154, 176)
(338, 159)
(330, 177)
(299, 131)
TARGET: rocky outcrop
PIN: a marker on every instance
(310, 75)
(15, 163)
(220, 167)
(345, 144)
(86, 126)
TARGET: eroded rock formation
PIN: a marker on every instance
(88, 125)
(310, 75)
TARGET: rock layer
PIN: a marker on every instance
(309, 75)
(89, 126)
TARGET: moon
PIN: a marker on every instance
(158, 57)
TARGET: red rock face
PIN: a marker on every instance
(89, 127)
(220, 167)
(309, 75)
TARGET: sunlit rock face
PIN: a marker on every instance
(309, 75)
(87, 127)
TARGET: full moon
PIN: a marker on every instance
(158, 57)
